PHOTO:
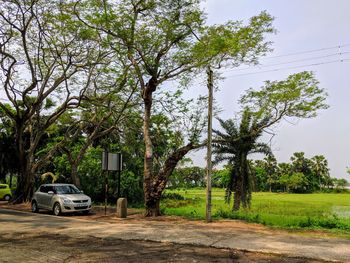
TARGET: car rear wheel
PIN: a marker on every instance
(35, 208)
(57, 209)
(7, 197)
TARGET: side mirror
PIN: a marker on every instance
(50, 192)
(81, 191)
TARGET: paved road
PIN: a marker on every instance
(214, 235)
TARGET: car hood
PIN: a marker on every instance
(75, 196)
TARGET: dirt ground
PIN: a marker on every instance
(40, 247)
(59, 248)
(98, 213)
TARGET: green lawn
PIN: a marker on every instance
(316, 211)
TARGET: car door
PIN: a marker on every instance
(40, 196)
(48, 197)
(2, 191)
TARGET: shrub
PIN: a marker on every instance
(172, 196)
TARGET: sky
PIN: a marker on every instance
(320, 26)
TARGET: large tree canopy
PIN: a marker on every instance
(298, 96)
(168, 40)
(46, 66)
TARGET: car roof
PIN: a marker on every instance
(56, 184)
(4, 184)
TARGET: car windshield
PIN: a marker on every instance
(67, 189)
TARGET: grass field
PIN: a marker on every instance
(313, 211)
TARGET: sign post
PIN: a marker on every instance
(111, 162)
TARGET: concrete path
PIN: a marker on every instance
(214, 234)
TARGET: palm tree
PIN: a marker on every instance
(234, 145)
(270, 166)
(320, 168)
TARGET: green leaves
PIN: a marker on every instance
(298, 96)
(49, 103)
(234, 43)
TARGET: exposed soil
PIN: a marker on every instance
(60, 248)
(98, 213)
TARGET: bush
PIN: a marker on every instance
(172, 196)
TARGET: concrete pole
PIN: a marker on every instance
(209, 164)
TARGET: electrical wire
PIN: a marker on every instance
(289, 62)
(306, 51)
(295, 67)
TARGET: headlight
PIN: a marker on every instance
(66, 201)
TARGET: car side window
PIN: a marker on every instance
(50, 188)
(2, 186)
(43, 189)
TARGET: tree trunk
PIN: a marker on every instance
(319, 182)
(74, 175)
(238, 193)
(24, 190)
(153, 185)
(25, 183)
(160, 181)
(151, 201)
(152, 207)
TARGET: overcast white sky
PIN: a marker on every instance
(302, 26)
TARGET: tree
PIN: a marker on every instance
(234, 145)
(221, 178)
(296, 97)
(167, 40)
(260, 176)
(298, 183)
(301, 164)
(266, 173)
(270, 166)
(319, 166)
(46, 67)
(8, 157)
(187, 177)
(102, 114)
(284, 171)
(340, 184)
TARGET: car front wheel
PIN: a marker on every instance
(7, 197)
(57, 209)
(35, 208)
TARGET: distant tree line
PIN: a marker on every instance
(300, 175)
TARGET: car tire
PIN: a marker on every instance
(35, 208)
(57, 209)
(7, 198)
(86, 212)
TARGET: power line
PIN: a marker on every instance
(279, 69)
(307, 51)
(289, 62)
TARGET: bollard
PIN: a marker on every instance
(122, 207)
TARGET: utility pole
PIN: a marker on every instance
(209, 164)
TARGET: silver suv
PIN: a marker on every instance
(60, 198)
